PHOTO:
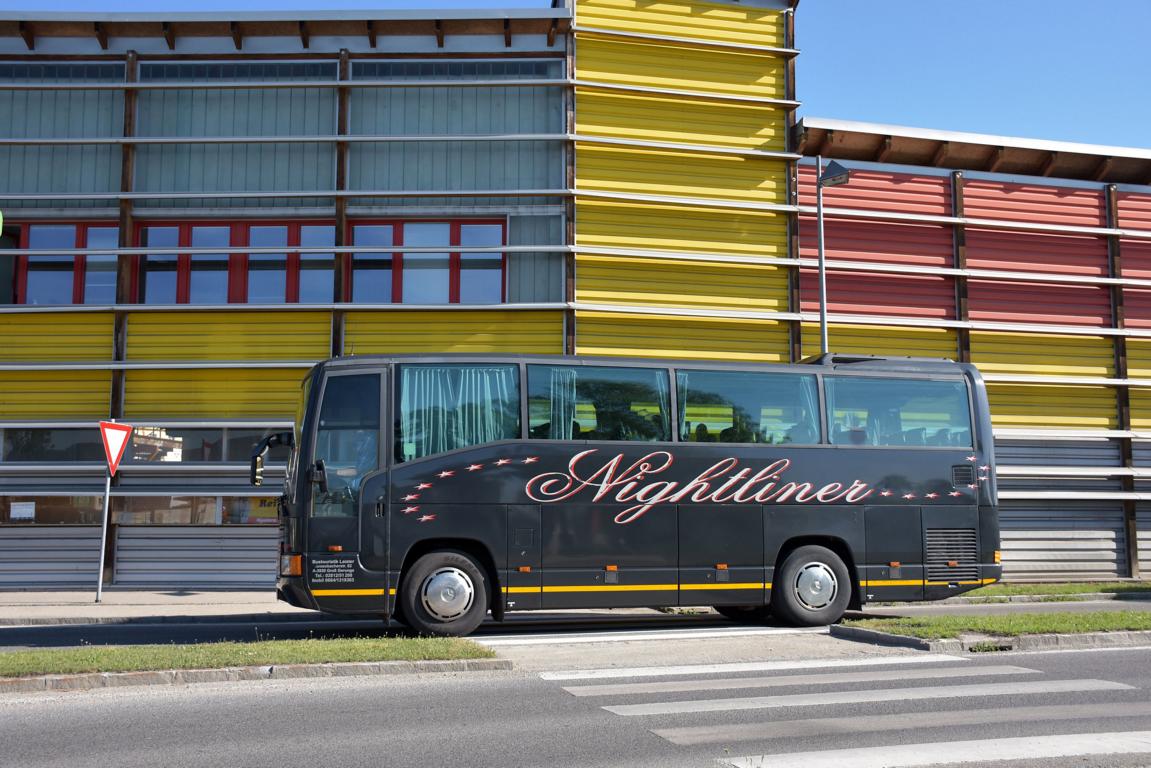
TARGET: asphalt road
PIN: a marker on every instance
(913, 709)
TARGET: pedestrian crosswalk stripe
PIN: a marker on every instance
(948, 752)
(833, 678)
(860, 697)
(729, 733)
(753, 666)
(569, 638)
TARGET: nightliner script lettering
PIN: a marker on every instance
(722, 482)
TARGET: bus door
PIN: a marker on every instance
(524, 590)
(344, 471)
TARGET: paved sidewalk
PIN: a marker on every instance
(121, 605)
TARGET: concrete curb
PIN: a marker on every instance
(983, 643)
(225, 618)
(88, 681)
(1072, 598)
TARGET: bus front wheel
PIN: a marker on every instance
(811, 588)
(444, 593)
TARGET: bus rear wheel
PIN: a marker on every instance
(444, 593)
(812, 587)
(744, 614)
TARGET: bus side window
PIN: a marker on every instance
(889, 411)
(347, 441)
(598, 403)
(748, 407)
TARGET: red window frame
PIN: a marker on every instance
(79, 263)
(239, 236)
(454, 249)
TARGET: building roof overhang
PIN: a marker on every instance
(900, 145)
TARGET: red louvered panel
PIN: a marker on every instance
(856, 293)
(877, 241)
(876, 191)
(1137, 307)
(1039, 303)
(1134, 211)
(1136, 258)
(1033, 203)
(1029, 252)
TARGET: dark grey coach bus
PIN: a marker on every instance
(436, 489)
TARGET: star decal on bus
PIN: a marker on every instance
(411, 497)
(531, 459)
(931, 496)
(425, 518)
(502, 462)
(410, 510)
(973, 458)
(885, 493)
(475, 467)
(423, 486)
(984, 468)
(955, 493)
(909, 495)
(974, 485)
(445, 473)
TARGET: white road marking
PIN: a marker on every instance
(861, 697)
(949, 752)
(749, 666)
(906, 721)
(568, 638)
(833, 678)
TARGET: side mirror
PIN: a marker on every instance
(256, 470)
(319, 475)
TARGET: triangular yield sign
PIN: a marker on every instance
(115, 437)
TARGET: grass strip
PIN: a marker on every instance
(1111, 587)
(137, 658)
(938, 627)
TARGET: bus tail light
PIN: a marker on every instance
(998, 557)
(291, 565)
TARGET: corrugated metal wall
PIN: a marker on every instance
(55, 556)
(199, 556)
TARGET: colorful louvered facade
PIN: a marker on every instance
(197, 210)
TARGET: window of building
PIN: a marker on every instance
(52, 510)
(598, 403)
(148, 444)
(882, 411)
(50, 445)
(744, 407)
(50, 278)
(429, 276)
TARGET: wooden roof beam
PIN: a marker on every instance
(371, 33)
(28, 35)
(552, 32)
(169, 35)
(1049, 164)
(439, 34)
(939, 160)
(998, 157)
(1103, 169)
(885, 150)
(101, 34)
(238, 36)
(507, 33)
(304, 34)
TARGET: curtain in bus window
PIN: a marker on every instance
(443, 408)
(562, 391)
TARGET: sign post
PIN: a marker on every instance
(115, 438)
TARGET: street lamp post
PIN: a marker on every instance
(835, 175)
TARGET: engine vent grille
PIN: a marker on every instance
(952, 554)
(962, 475)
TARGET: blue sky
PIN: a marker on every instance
(1045, 69)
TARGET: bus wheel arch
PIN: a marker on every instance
(810, 548)
(446, 560)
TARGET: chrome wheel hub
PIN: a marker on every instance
(447, 593)
(816, 586)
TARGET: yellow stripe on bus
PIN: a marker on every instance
(636, 587)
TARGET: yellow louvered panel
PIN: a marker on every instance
(1042, 354)
(721, 22)
(397, 332)
(66, 336)
(653, 64)
(212, 393)
(1047, 407)
(882, 340)
(678, 283)
(1139, 359)
(697, 229)
(690, 338)
(1140, 408)
(54, 394)
(650, 117)
(680, 174)
(192, 335)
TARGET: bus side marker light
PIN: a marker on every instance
(335, 548)
(721, 566)
(524, 569)
(952, 563)
(611, 567)
(895, 564)
(998, 557)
